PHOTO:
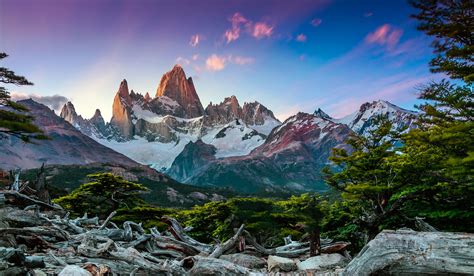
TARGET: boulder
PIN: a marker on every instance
(405, 252)
(322, 262)
(74, 270)
(275, 264)
(245, 260)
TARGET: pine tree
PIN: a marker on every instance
(104, 194)
(13, 120)
(451, 23)
(366, 175)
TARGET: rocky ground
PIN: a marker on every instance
(38, 238)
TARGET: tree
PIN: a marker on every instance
(450, 22)
(106, 193)
(12, 120)
(439, 155)
(366, 177)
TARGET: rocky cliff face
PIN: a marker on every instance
(175, 86)
(291, 158)
(121, 111)
(363, 120)
(67, 146)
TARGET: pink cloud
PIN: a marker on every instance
(237, 20)
(385, 35)
(215, 63)
(218, 63)
(301, 38)
(261, 30)
(195, 39)
(316, 22)
(195, 57)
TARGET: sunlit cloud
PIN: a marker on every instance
(239, 23)
(195, 39)
(195, 57)
(54, 102)
(218, 63)
(261, 30)
(301, 38)
(316, 22)
(385, 35)
(215, 63)
(237, 20)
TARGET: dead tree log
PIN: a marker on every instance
(178, 232)
(220, 249)
(410, 252)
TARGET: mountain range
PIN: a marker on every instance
(227, 145)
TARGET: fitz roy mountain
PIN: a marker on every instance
(154, 131)
(226, 144)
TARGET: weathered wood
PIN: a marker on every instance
(220, 249)
(111, 215)
(410, 252)
(178, 232)
(19, 199)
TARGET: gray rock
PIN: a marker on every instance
(74, 270)
(276, 264)
(245, 260)
(322, 262)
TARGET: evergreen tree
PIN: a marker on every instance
(106, 193)
(451, 23)
(366, 176)
(13, 121)
(439, 155)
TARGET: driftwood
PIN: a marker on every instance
(43, 236)
(410, 253)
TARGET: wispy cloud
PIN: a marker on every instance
(183, 61)
(301, 38)
(239, 23)
(218, 63)
(215, 63)
(195, 39)
(55, 102)
(261, 30)
(241, 60)
(237, 20)
(316, 22)
(368, 14)
(385, 35)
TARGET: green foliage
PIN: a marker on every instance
(12, 121)
(103, 195)
(148, 215)
(269, 220)
(450, 22)
(367, 177)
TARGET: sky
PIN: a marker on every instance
(289, 55)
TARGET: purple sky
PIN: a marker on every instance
(289, 55)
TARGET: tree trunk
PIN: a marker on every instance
(315, 243)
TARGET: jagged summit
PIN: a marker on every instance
(321, 114)
(177, 87)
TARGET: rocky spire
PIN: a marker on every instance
(176, 86)
(121, 109)
(321, 114)
(68, 113)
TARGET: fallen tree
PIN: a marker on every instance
(406, 252)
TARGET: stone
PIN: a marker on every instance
(74, 270)
(276, 264)
(322, 262)
(245, 260)
(404, 252)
